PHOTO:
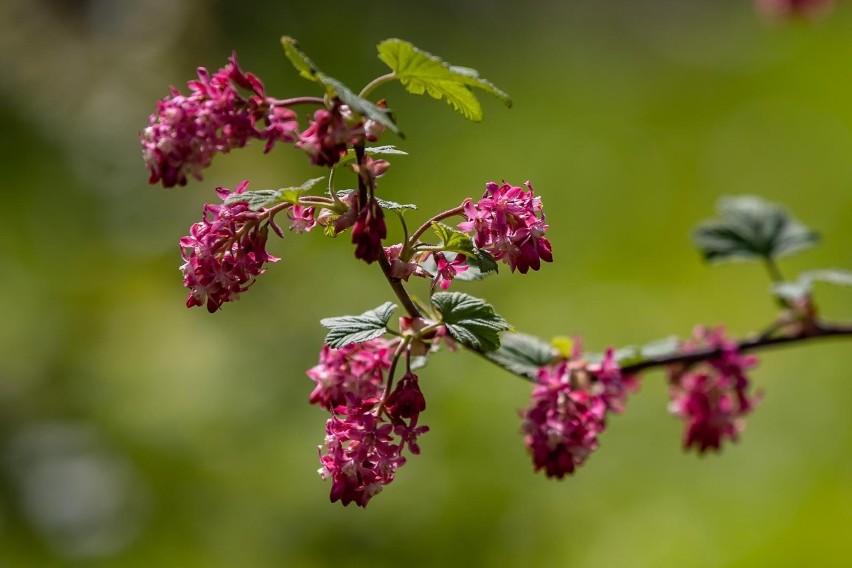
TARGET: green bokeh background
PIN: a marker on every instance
(137, 433)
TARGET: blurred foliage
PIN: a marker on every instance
(135, 432)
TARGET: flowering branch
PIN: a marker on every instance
(373, 419)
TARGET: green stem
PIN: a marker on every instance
(297, 101)
(371, 86)
(774, 271)
(396, 354)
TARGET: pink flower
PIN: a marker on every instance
(368, 232)
(510, 225)
(303, 218)
(447, 270)
(370, 170)
(186, 132)
(400, 269)
(328, 135)
(406, 401)
(712, 397)
(224, 253)
(794, 8)
(282, 126)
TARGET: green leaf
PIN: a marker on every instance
(357, 329)
(387, 150)
(750, 228)
(384, 204)
(265, 198)
(421, 72)
(471, 78)
(359, 105)
(394, 206)
(797, 290)
(836, 276)
(803, 286)
(454, 240)
(470, 320)
(300, 61)
(483, 262)
(523, 354)
(308, 70)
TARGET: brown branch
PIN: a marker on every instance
(817, 331)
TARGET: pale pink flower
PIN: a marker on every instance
(357, 369)
(303, 218)
(186, 131)
(224, 253)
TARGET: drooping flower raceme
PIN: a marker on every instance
(568, 411)
(509, 224)
(186, 131)
(712, 397)
(366, 434)
(224, 253)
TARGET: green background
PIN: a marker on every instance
(137, 433)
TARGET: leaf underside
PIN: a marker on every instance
(345, 330)
(265, 198)
(751, 228)
(523, 354)
(310, 71)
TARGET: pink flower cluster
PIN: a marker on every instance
(224, 252)
(712, 397)
(568, 411)
(366, 434)
(186, 132)
(510, 225)
(794, 8)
